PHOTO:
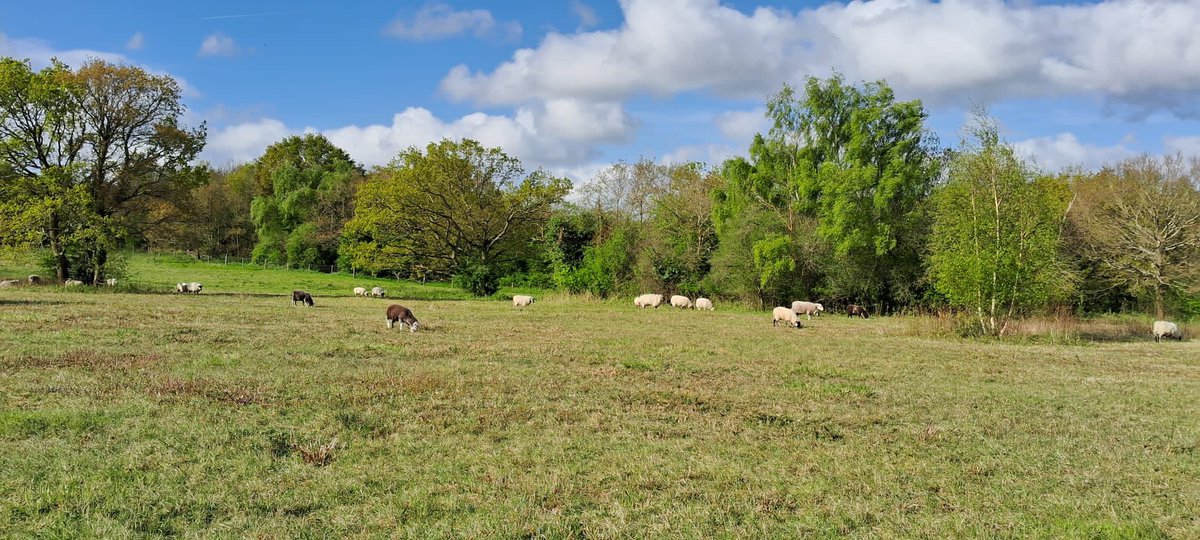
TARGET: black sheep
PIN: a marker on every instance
(302, 297)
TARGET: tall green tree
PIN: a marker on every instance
(454, 208)
(846, 171)
(90, 152)
(306, 190)
(997, 223)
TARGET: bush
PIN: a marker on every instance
(479, 279)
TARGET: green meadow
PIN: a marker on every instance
(132, 412)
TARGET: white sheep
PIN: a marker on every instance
(8, 283)
(681, 301)
(648, 300)
(807, 308)
(189, 288)
(1166, 329)
(522, 300)
(704, 303)
(378, 292)
(111, 282)
(72, 283)
(360, 291)
(784, 314)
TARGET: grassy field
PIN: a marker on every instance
(235, 415)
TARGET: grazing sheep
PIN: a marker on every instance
(681, 301)
(72, 283)
(302, 297)
(857, 311)
(111, 282)
(8, 283)
(360, 291)
(648, 300)
(35, 279)
(784, 314)
(189, 288)
(807, 308)
(1166, 329)
(522, 300)
(704, 303)
(398, 313)
(378, 292)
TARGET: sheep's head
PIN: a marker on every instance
(414, 326)
(820, 307)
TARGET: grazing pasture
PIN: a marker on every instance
(237, 415)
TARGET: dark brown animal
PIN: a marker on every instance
(301, 297)
(398, 313)
(856, 311)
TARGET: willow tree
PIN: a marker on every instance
(89, 152)
(995, 245)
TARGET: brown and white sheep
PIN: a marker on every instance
(397, 313)
(857, 311)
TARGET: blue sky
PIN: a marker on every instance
(574, 85)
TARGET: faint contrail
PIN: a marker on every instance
(240, 16)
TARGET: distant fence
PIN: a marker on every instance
(227, 259)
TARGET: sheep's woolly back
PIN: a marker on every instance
(521, 300)
(360, 291)
(704, 303)
(1166, 329)
(784, 314)
(681, 301)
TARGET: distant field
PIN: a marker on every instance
(149, 273)
(131, 415)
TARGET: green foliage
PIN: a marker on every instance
(477, 278)
(851, 165)
(88, 157)
(303, 247)
(996, 232)
(428, 211)
(304, 182)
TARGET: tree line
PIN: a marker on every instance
(847, 198)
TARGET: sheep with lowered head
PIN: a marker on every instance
(857, 311)
(1166, 329)
(111, 282)
(72, 283)
(704, 303)
(397, 313)
(807, 308)
(35, 279)
(522, 300)
(378, 292)
(360, 291)
(648, 300)
(681, 302)
(786, 315)
(301, 297)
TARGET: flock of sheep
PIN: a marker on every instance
(789, 316)
(397, 313)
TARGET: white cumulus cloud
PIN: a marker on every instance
(1144, 53)
(560, 133)
(219, 44)
(1058, 152)
(40, 53)
(586, 15)
(438, 21)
